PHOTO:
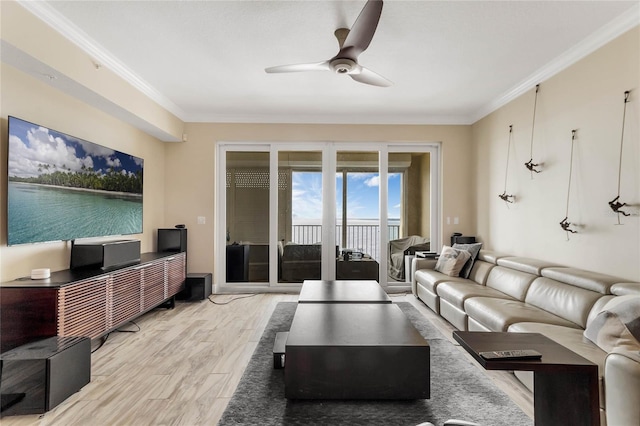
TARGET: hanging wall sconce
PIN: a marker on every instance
(504, 196)
(615, 204)
(565, 224)
(530, 165)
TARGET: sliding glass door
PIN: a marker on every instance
(328, 211)
(358, 215)
(300, 216)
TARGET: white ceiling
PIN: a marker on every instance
(450, 61)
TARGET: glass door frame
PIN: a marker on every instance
(329, 169)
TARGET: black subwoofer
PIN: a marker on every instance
(196, 287)
(36, 377)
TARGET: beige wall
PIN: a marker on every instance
(587, 96)
(76, 69)
(190, 170)
(32, 100)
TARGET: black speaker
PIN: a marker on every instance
(172, 239)
(237, 263)
(105, 255)
(196, 287)
(462, 239)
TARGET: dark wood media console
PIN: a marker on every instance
(87, 302)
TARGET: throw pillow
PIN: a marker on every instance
(451, 261)
(617, 326)
(473, 250)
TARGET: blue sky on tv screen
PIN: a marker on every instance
(34, 150)
(362, 195)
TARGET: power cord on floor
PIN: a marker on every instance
(129, 331)
(104, 338)
(232, 300)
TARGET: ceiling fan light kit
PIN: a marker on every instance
(352, 43)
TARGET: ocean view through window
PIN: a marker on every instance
(362, 234)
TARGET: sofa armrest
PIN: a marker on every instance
(622, 383)
(420, 263)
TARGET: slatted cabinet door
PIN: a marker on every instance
(82, 308)
(176, 273)
(153, 284)
(126, 296)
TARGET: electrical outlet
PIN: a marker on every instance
(201, 220)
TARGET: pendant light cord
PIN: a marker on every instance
(573, 138)
(506, 172)
(533, 121)
(624, 115)
(530, 165)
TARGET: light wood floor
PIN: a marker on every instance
(184, 364)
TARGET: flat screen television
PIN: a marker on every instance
(62, 188)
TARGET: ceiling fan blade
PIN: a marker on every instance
(320, 66)
(362, 30)
(367, 76)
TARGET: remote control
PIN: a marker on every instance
(512, 354)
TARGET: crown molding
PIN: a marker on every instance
(605, 34)
(330, 119)
(98, 53)
(628, 20)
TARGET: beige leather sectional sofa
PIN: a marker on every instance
(516, 294)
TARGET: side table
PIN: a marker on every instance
(565, 384)
(408, 260)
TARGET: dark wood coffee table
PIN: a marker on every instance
(355, 351)
(360, 291)
(565, 384)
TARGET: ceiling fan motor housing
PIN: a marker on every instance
(343, 65)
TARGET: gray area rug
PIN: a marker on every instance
(458, 390)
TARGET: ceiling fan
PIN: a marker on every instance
(352, 43)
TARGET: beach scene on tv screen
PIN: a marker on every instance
(61, 187)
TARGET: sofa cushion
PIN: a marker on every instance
(498, 314)
(473, 250)
(490, 256)
(572, 339)
(509, 281)
(451, 261)
(430, 279)
(617, 326)
(525, 264)
(597, 307)
(622, 289)
(480, 271)
(566, 301)
(457, 292)
(580, 278)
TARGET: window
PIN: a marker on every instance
(279, 228)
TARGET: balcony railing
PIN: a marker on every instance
(360, 237)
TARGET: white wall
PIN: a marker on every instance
(587, 96)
